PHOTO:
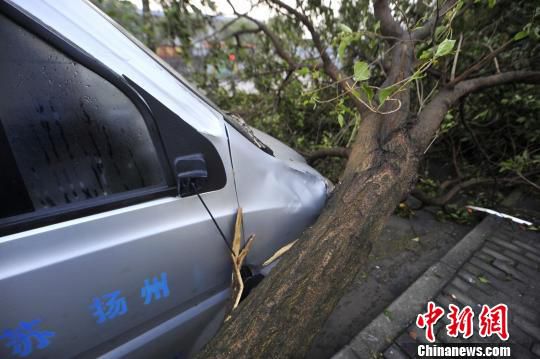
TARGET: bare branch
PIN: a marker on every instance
(477, 66)
(443, 199)
(456, 56)
(218, 31)
(246, 32)
(446, 197)
(495, 61)
(431, 116)
(327, 152)
(315, 36)
(278, 45)
(473, 136)
(389, 26)
(280, 49)
(528, 181)
(284, 84)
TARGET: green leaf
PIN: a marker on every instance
(368, 91)
(385, 93)
(439, 30)
(361, 71)
(303, 71)
(377, 26)
(345, 41)
(426, 54)
(445, 48)
(356, 93)
(491, 3)
(314, 98)
(344, 28)
(483, 279)
(520, 35)
(417, 75)
(340, 120)
(481, 115)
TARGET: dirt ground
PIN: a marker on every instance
(405, 250)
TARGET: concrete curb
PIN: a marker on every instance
(380, 333)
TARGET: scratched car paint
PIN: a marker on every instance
(101, 253)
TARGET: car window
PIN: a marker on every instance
(234, 120)
(67, 135)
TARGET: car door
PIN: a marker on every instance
(98, 254)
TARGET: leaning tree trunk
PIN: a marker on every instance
(305, 287)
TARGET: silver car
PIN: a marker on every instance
(117, 179)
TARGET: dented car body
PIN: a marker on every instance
(102, 253)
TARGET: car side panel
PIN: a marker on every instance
(279, 197)
(54, 274)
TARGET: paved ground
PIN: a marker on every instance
(406, 249)
(497, 262)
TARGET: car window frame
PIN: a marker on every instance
(228, 117)
(65, 212)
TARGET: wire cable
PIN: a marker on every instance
(213, 219)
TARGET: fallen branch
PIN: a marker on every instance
(279, 253)
(327, 152)
(238, 254)
(443, 199)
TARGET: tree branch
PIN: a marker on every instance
(446, 197)
(477, 66)
(389, 26)
(327, 152)
(276, 42)
(456, 56)
(528, 181)
(429, 27)
(284, 83)
(431, 116)
(280, 49)
(443, 199)
(218, 31)
(246, 31)
(328, 65)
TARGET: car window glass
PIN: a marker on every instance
(72, 135)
